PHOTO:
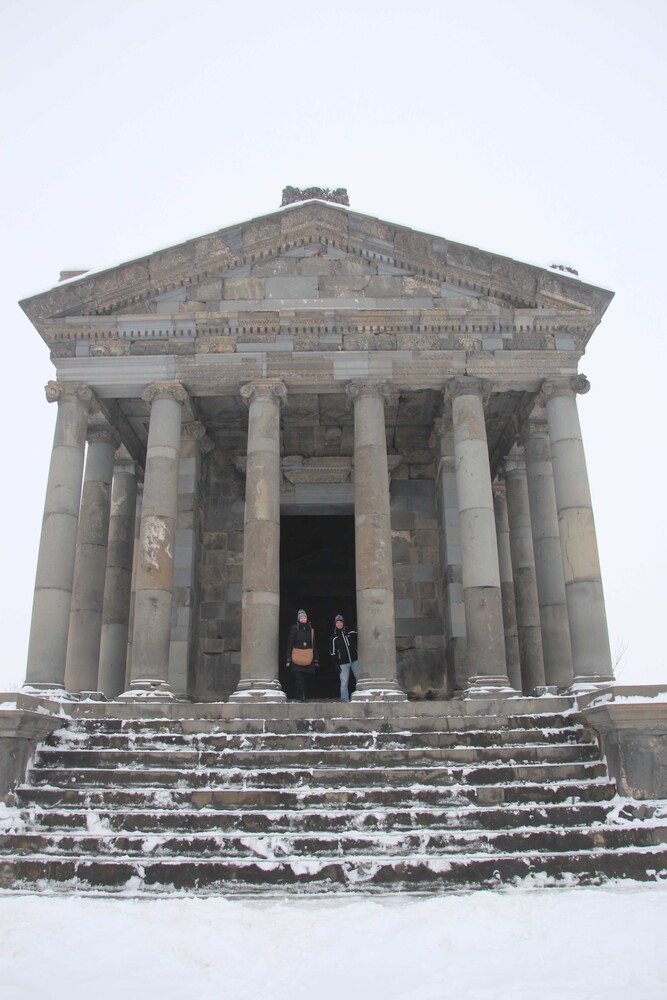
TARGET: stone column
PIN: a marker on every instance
(118, 581)
(507, 585)
(373, 556)
(47, 650)
(479, 550)
(85, 620)
(591, 655)
(155, 565)
(548, 563)
(523, 571)
(457, 651)
(260, 639)
(194, 445)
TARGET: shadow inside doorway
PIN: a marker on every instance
(317, 573)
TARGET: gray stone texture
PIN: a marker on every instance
(155, 565)
(558, 670)
(507, 586)
(118, 582)
(49, 628)
(261, 546)
(479, 552)
(523, 569)
(315, 298)
(591, 655)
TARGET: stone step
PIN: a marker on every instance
(308, 741)
(375, 721)
(183, 820)
(326, 874)
(181, 759)
(528, 792)
(318, 777)
(313, 845)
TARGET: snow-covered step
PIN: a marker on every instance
(350, 873)
(70, 758)
(183, 820)
(315, 777)
(583, 790)
(87, 740)
(275, 846)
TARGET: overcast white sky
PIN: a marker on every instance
(535, 129)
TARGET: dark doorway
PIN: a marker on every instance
(317, 574)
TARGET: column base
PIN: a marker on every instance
(148, 690)
(378, 689)
(494, 686)
(266, 692)
(55, 691)
(581, 685)
(92, 696)
(546, 689)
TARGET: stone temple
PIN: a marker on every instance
(320, 409)
(401, 411)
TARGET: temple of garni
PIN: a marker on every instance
(318, 409)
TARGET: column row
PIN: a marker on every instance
(80, 631)
(532, 592)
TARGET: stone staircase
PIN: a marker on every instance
(373, 800)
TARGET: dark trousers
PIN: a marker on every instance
(299, 685)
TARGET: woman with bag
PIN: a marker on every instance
(301, 655)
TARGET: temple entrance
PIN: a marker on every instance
(317, 573)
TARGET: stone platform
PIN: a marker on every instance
(322, 797)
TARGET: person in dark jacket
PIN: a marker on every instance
(343, 652)
(301, 636)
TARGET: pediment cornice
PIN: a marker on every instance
(430, 261)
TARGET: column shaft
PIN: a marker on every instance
(548, 562)
(373, 552)
(512, 655)
(457, 650)
(85, 622)
(155, 565)
(525, 580)
(479, 550)
(260, 637)
(591, 655)
(47, 650)
(117, 584)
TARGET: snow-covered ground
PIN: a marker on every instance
(570, 944)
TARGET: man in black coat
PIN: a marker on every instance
(343, 651)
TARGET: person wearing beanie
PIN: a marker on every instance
(343, 652)
(301, 653)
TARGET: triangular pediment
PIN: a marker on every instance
(309, 259)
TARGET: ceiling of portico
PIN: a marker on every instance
(322, 426)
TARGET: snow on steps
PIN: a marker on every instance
(312, 805)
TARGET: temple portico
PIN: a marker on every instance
(363, 379)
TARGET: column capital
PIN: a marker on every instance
(536, 424)
(264, 387)
(570, 385)
(165, 390)
(467, 385)
(58, 392)
(358, 389)
(514, 462)
(195, 431)
(103, 435)
(499, 486)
